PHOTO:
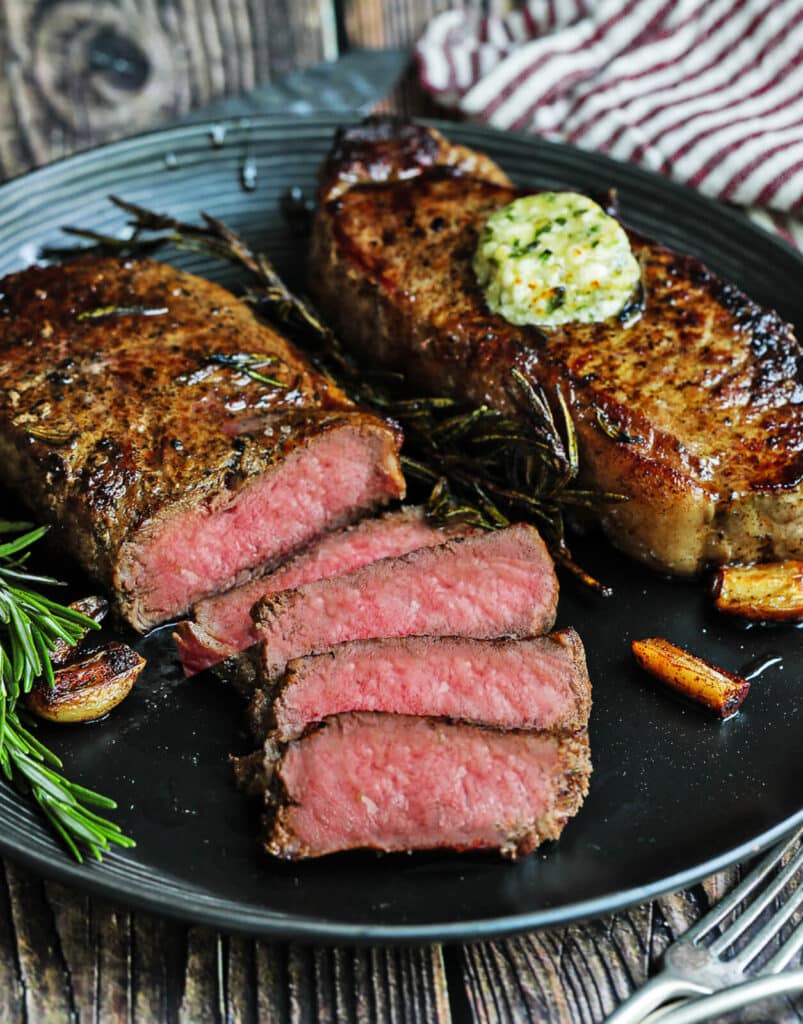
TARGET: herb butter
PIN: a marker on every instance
(555, 258)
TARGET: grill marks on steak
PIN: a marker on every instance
(397, 782)
(169, 474)
(539, 683)
(222, 625)
(706, 384)
(488, 585)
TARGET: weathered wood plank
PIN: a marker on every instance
(203, 1001)
(11, 993)
(578, 975)
(47, 991)
(273, 996)
(78, 73)
(77, 936)
(157, 965)
(241, 1002)
(367, 986)
(113, 930)
(327, 992)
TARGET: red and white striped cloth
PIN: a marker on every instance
(709, 92)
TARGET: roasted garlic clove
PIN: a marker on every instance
(95, 608)
(771, 590)
(88, 689)
(707, 684)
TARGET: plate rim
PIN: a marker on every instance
(279, 926)
(204, 125)
(183, 903)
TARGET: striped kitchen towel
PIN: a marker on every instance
(709, 92)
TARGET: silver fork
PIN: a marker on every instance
(691, 968)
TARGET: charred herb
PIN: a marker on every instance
(248, 363)
(31, 627)
(613, 430)
(477, 465)
(103, 312)
(56, 438)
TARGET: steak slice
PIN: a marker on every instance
(488, 585)
(222, 625)
(128, 420)
(397, 782)
(539, 683)
(694, 410)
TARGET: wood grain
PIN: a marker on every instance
(82, 72)
(578, 975)
(65, 957)
(79, 72)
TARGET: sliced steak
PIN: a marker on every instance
(175, 440)
(693, 409)
(222, 625)
(539, 683)
(488, 585)
(395, 782)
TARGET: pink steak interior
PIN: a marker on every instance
(513, 684)
(398, 783)
(174, 561)
(496, 584)
(222, 624)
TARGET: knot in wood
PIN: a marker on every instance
(101, 67)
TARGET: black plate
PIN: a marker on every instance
(675, 795)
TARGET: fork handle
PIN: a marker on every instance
(657, 991)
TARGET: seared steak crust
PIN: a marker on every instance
(391, 149)
(119, 409)
(694, 409)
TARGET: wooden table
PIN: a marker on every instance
(78, 73)
(61, 951)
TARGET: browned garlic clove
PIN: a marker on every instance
(771, 590)
(720, 691)
(88, 689)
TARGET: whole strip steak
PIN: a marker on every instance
(176, 441)
(694, 409)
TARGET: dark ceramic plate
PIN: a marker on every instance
(675, 795)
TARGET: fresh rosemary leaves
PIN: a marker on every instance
(30, 626)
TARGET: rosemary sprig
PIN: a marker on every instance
(480, 466)
(248, 363)
(104, 312)
(30, 626)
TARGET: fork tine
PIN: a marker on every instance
(743, 889)
(758, 906)
(769, 931)
(786, 953)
